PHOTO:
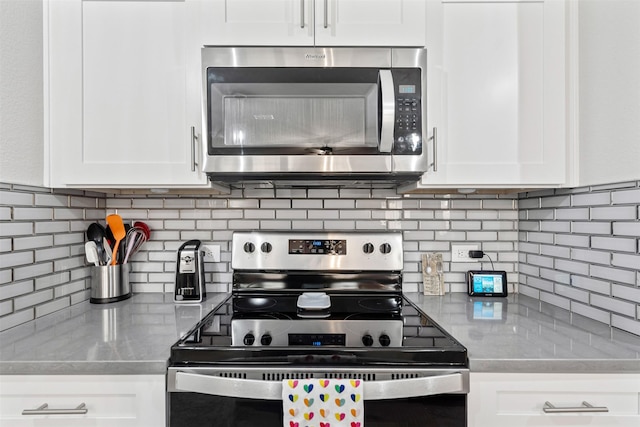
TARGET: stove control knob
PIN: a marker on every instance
(266, 339)
(385, 248)
(367, 248)
(249, 247)
(266, 247)
(367, 340)
(384, 340)
(249, 339)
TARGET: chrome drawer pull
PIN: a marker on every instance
(548, 408)
(44, 410)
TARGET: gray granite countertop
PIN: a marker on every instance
(135, 336)
(127, 337)
(521, 334)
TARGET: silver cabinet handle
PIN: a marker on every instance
(388, 111)
(434, 138)
(548, 408)
(302, 13)
(272, 390)
(44, 410)
(194, 138)
(326, 13)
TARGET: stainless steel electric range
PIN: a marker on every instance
(316, 305)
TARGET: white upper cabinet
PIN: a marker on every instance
(313, 22)
(123, 94)
(496, 93)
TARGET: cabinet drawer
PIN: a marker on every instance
(109, 400)
(519, 399)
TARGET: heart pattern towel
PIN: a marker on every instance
(323, 403)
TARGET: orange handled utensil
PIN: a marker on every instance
(117, 229)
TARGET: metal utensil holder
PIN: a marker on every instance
(110, 283)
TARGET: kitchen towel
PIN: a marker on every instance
(323, 403)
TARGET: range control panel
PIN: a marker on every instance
(320, 246)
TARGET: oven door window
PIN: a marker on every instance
(195, 409)
(285, 110)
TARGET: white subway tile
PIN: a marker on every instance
(512, 215)
(259, 214)
(591, 199)
(32, 242)
(576, 214)
(592, 285)
(555, 251)
(244, 225)
(629, 293)
(498, 225)
(339, 204)
(540, 284)
(403, 204)
(68, 239)
(618, 244)
(51, 254)
(116, 203)
(65, 213)
(591, 227)
(555, 276)
(371, 225)
(14, 198)
(449, 215)
(14, 259)
(227, 214)
(591, 312)
(540, 261)
(591, 256)
(52, 306)
(323, 214)
(508, 236)
(288, 193)
(389, 215)
(555, 226)
(614, 305)
(435, 204)
(339, 225)
(626, 324)
(536, 237)
(614, 213)
(355, 214)
(466, 225)
(291, 214)
(6, 307)
(555, 202)
(572, 266)
(466, 204)
(260, 193)
(626, 196)
(32, 299)
(529, 248)
(355, 193)
(17, 318)
(164, 214)
(529, 225)
(402, 225)
(322, 193)
(626, 229)
(275, 204)
(371, 204)
(306, 204)
(52, 227)
(613, 274)
(179, 203)
(69, 263)
(459, 236)
(572, 240)
(511, 204)
(12, 229)
(275, 225)
(430, 246)
(25, 214)
(572, 293)
(626, 261)
(53, 200)
(556, 300)
(147, 203)
(484, 214)
(179, 224)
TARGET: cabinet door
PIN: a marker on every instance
(120, 111)
(110, 401)
(257, 22)
(507, 400)
(496, 93)
(370, 22)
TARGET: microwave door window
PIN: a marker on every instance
(295, 115)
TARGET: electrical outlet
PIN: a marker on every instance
(211, 253)
(460, 253)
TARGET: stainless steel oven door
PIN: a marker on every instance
(243, 397)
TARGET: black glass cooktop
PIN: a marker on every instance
(424, 343)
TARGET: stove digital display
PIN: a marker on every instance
(317, 340)
(318, 247)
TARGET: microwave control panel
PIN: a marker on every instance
(408, 126)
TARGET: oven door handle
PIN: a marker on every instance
(388, 112)
(272, 390)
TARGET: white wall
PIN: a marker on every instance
(609, 91)
(21, 92)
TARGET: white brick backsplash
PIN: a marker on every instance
(555, 275)
(572, 214)
(626, 261)
(16, 229)
(306, 204)
(52, 227)
(287, 193)
(591, 312)
(51, 254)
(323, 214)
(555, 299)
(180, 203)
(613, 274)
(629, 293)
(572, 240)
(593, 285)
(626, 229)
(16, 319)
(590, 256)
(626, 324)
(14, 198)
(555, 226)
(614, 244)
(259, 214)
(555, 202)
(275, 204)
(339, 204)
(291, 214)
(614, 305)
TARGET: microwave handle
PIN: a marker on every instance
(272, 390)
(388, 111)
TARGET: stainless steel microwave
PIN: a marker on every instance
(314, 115)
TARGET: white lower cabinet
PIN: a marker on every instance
(109, 400)
(508, 400)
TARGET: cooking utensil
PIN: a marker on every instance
(135, 238)
(96, 233)
(117, 229)
(108, 254)
(144, 227)
(91, 251)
